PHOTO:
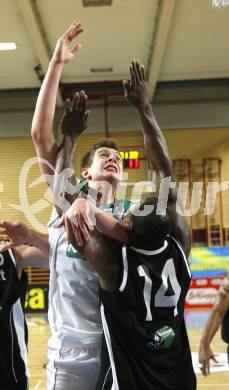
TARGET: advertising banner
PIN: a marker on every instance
(36, 298)
(209, 265)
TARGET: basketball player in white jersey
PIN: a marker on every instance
(74, 348)
(74, 305)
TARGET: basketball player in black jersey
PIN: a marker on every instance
(143, 289)
(143, 284)
(13, 329)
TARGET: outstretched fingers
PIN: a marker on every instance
(68, 105)
(143, 73)
(84, 104)
(86, 115)
(73, 30)
(76, 48)
(214, 359)
(126, 87)
(81, 103)
(75, 101)
(132, 75)
(77, 235)
(137, 70)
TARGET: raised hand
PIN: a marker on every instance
(135, 89)
(79, 221)
(17, 232)
(63, 53)
(74, 120)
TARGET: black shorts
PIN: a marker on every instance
(22, 385)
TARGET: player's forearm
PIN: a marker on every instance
(213, 324)
(38, 241)
(154, 141)
(108, 225)
(45, 106)
(64, 162)
(67, 152)
(31, 257)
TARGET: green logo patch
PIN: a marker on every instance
(162, 338)
(72, 252)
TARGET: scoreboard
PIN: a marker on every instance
(131, 159)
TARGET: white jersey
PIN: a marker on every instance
(73, 293)
(74, 307)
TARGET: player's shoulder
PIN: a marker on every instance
(175, 243)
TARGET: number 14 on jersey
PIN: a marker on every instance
(161, 299)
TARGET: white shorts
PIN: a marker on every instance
(71, 368)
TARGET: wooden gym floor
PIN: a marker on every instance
(39, 334)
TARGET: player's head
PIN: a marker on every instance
(102, 162)
(150, 231)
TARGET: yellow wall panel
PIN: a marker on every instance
(15, 152)
(196, 144)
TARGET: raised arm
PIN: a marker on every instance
(73, 123)
(136, 92)
(42, 133)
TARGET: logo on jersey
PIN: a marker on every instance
(72, 252)
(162, 338)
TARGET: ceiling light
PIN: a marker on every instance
(96, 3)
(8, 46)
(101, 70)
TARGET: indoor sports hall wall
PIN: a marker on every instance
(193, 144)
(196, 144)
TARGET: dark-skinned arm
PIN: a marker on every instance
(102, 246)
(213, 323)
(104, 254)
(136, 92)
(73, 124)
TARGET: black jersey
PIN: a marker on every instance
(147, 346)
(13, 349)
